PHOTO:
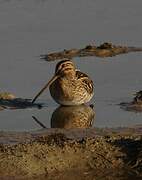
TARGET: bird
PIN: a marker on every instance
(69, 86)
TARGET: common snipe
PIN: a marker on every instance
(69, 86)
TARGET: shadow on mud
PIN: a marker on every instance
(132, 150)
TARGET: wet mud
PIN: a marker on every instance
(135, 105)
(104, 50)
(10, 101)
(71, 154)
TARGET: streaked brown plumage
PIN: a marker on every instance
(69, 86)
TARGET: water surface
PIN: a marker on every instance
(31, 28)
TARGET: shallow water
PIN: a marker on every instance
(31, 28)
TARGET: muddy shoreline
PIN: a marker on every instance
(62, 154)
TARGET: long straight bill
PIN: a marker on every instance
(48, 84)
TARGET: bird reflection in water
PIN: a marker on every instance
(67, 117)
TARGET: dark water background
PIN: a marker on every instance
(30, 28)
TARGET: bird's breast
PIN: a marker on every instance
(62, 88)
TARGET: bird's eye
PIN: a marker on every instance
(63, 65)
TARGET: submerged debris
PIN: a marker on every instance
(135, 105)
(138, 98)
(104, 50)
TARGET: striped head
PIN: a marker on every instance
(65, 68)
